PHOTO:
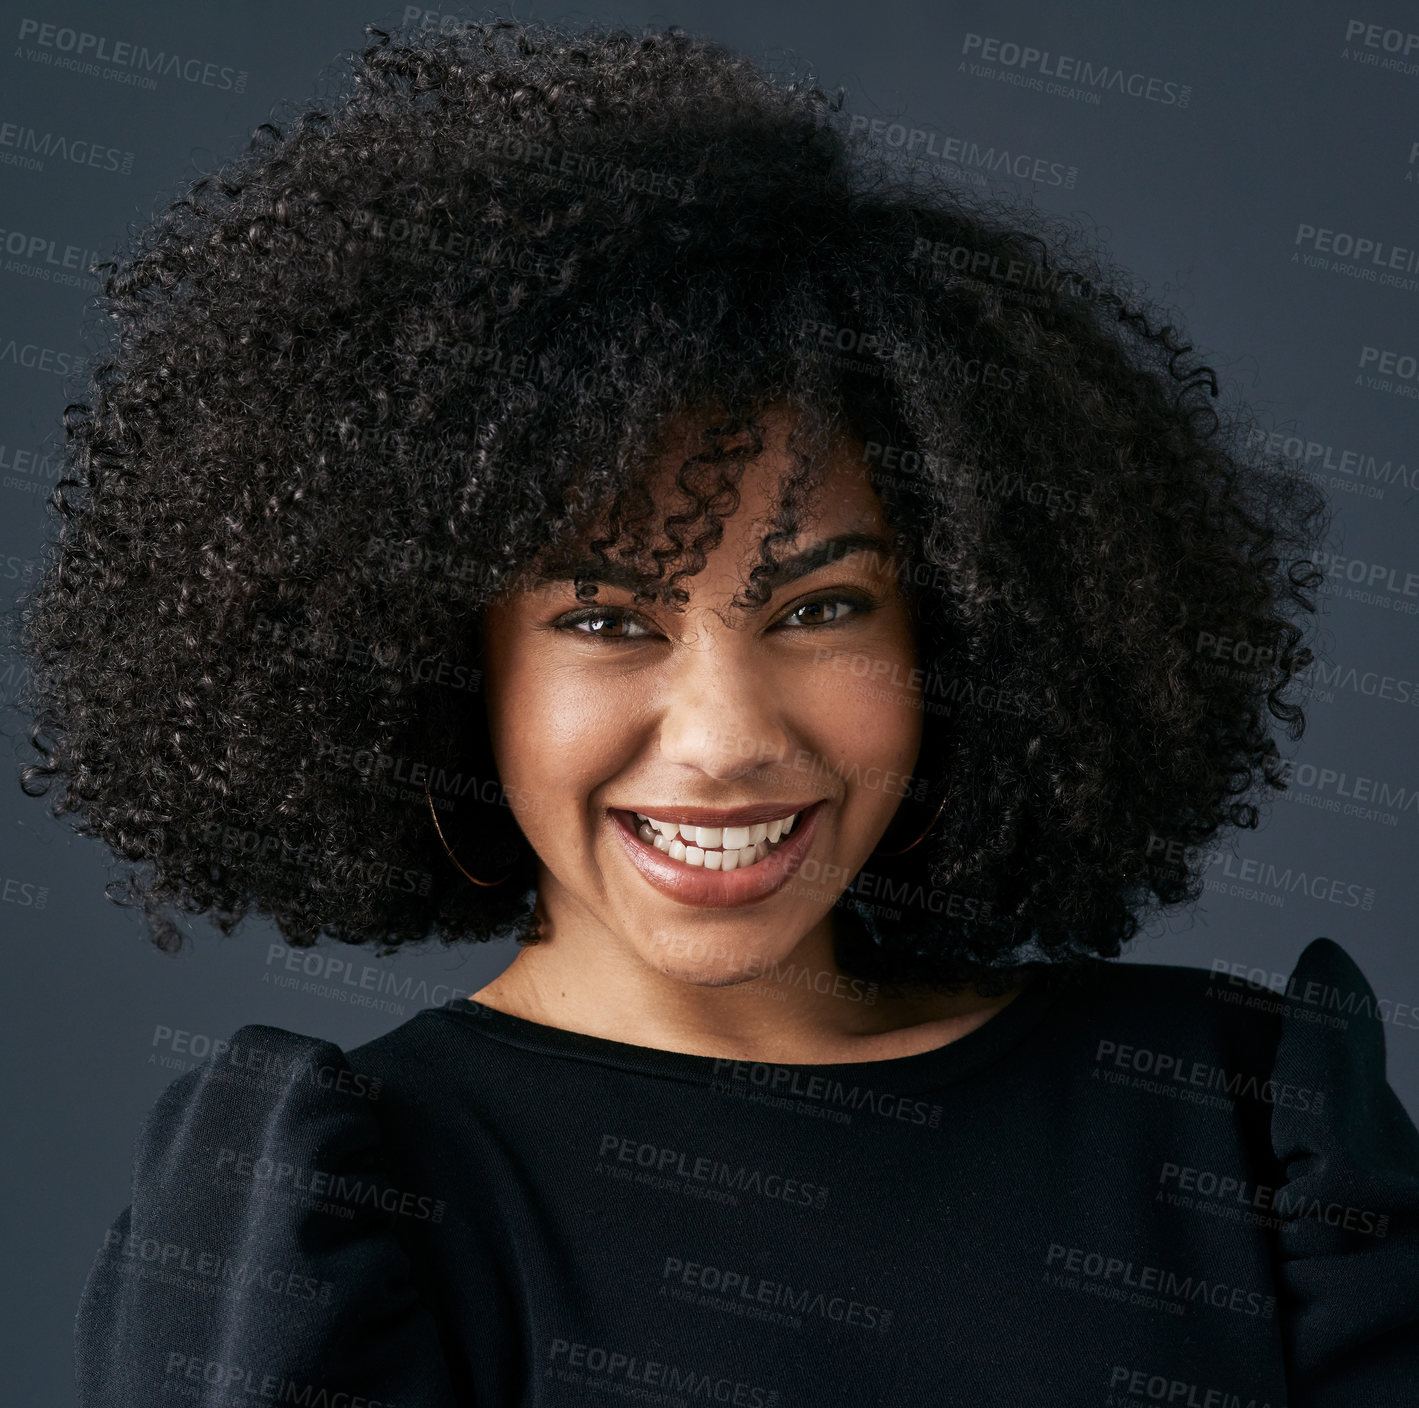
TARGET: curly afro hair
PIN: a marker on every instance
(359, 379)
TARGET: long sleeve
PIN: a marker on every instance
(1349, 1240)
(258, 1260)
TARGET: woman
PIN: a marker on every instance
(566, 492)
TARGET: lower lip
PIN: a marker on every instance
(716, 889)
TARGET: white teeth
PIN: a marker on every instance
(713, 847)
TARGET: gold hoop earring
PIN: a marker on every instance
(486, 883)
(920, 838)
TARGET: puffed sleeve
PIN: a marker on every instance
(248, 1268)
(1348, 1239)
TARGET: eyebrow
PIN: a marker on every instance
(789, 570)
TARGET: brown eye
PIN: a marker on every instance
(591, 621)
(860, 605)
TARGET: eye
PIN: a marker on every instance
(599, 622)
(861, 605)
(588, 622)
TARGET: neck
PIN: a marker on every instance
(798, 1009)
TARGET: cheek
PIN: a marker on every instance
(867, 704)
(553, 734)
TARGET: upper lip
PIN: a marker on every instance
(723, 816)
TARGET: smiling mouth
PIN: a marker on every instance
(715, 847)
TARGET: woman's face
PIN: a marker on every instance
(599, 710)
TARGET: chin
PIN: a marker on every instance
(708, 962)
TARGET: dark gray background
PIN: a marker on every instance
(1286, 125)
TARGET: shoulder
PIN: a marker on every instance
(263, 1090)
(261, 1230)
(1304, 1037)
(1341, 1196)
(270, 1093)
(252, 1148)
(1323, 979)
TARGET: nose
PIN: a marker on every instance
(723, 712)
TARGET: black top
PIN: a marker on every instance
(1149, 1186)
